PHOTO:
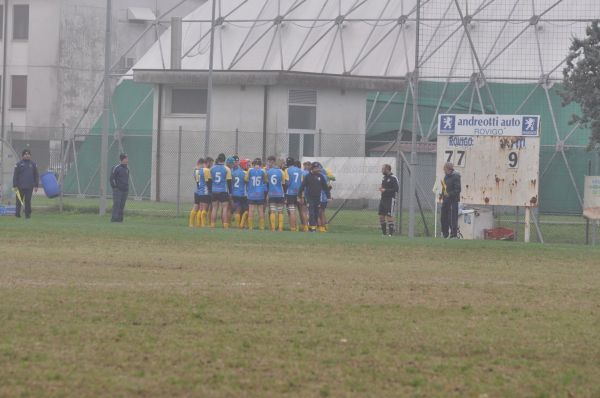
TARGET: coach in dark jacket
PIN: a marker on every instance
(312, 185)
(25, 182)
(119, 181)
(450, 199)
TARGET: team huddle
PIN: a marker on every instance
(241, 189)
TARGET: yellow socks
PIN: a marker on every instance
(244, 220)
(192, 218)
(280, 222)
(226, 226)
(238, 220)
(250, 221)
(272, 219)
(261, 223)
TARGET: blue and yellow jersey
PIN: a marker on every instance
(220, 174)
(293, 178)
(256, 180)
(275, 180)
(239, 182)
(201, 176)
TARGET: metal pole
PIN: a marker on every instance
(527, 224)
(516, 222)
(320, 142)
(210, 81)
(413, 149)
(587, 220)
(3, 100)
(237, 141)
(106, 115)
(401, 195)
(61, 176)
(179, 174)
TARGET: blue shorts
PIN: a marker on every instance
(240, 203)
(259, 202)
(323, 205)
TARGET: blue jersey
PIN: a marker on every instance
(323, 193)
(275, 180)
(256, 179)
(294, 177)
(201, 176)
(238, 177)
(220, 174)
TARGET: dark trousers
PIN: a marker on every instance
(313, 210)
(449, 218)
(119, 199)
(26, 196)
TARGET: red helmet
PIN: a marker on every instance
(245, 164)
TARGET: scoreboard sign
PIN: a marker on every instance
(497, 157)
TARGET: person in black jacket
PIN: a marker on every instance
(389, 188)
(25, 182)
(119, 181)
(311, 187)
(450, 199)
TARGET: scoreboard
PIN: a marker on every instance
(497, 157)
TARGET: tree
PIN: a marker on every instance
(581, 79)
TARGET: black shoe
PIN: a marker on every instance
(27, 216)
(18, 215)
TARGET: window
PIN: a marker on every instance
(304, 141)
(302, 110)
(18, 99)
(186, 101)
(21, 22)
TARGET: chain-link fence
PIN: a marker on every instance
(161, 170)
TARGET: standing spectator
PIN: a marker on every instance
(25, 182)
(450, 199)
(311, 187)
(389, 188)
(119, 181)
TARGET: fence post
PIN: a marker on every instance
(400, 193)
(179, 174)
(320, 142)
(61, 176)
(237, 138)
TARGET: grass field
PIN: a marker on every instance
(152, 308)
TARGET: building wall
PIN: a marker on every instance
(63, 59)
(340, 117)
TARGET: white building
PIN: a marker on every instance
(53, 61)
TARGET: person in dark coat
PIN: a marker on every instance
(119, 181)
(312, 186)
(450, 198)
(25, 181)
(387, 205)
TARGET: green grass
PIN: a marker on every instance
(152, 308)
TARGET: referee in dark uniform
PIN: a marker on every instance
(389, 188)
(119, 182)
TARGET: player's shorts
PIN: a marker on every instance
(220, 197)
(387, 207)
(240, 203)
(258, 202)
(292, 200)
(323, 205)
(276, 200)
(201, 199)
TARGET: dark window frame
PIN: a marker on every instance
(20, 30)
(186, 108)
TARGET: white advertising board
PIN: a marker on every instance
(591, 198)
(355, 177)
(497, 157)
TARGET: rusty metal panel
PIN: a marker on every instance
(497, 157)
(591, 198)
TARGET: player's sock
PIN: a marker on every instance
(261, 223)
(272, 219)
(192, 218)
(238, 220)
(198, 219)
(250, 222)
(280, 222)
(225, 226)
(391, 228)
(384, 228)
(244, 220)
(305, 228)
(322, 229)
(204, 218)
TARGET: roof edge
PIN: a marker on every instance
(269, 78)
